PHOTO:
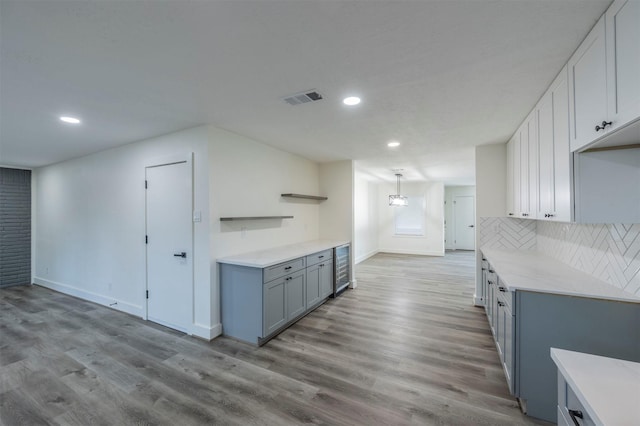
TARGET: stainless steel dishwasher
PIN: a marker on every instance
(341, 269)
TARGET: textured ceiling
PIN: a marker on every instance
(439, 76)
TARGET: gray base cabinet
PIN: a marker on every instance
(295, 301)
(275, 307)
(256, 303)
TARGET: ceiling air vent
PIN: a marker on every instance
(303, 97)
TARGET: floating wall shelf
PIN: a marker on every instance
(308, 197)
(226, 219)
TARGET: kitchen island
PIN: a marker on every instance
(534, 302)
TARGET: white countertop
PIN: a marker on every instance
(533, 271)
(273, 256)
(608, 388)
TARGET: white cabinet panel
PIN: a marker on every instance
(511, 209)
(555, 161)
(622, 22)
(588, 87)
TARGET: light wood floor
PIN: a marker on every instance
(405, 347)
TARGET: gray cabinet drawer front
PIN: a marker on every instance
(282, 269)
(572, 403)
(325, 255)
(504, 294)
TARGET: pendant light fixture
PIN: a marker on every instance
(397, 199)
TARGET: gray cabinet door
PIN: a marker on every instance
(296, 302)
(508, 348)
(326, 279)
(274, 306)
(313, 285)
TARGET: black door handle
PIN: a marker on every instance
(181, 254)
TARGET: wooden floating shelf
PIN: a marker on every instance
(307, 197)
(227, 219)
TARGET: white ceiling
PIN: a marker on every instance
(439, 76)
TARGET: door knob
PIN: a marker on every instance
(181, 254)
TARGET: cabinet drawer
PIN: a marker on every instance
(325, 255)
(282, 269)
(504, 295)
(571, 402)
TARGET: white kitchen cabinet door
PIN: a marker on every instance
(511, 209)
(562, 195)
(532, 159)
(546, 156)
(524, 170)
(555, 161)
(516, 175)
(588, 88)
(622, 22)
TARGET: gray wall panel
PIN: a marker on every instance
(15, 227)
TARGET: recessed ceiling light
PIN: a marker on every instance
(70, 120)
(351, 100)
(393, 144)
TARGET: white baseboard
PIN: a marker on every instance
(365, 256)
(415, 252)
(206, 332)
(109, 302)
(353, 283)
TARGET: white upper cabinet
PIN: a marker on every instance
(588, 88)
(511, 204)
(622, 24)
(604, 80)
(554, 158)
(527, 151)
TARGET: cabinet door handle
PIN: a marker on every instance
(490, 282)
(574, 414)
(502, 289)
(320, 257)
(182, 254)
(602, 125)
(288, 278)
(492, 271)
(500, 303)
(510, 214)
(287, 268)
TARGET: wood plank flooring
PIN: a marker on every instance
(405, 348)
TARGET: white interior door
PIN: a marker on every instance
(464, 217)
(169, 245)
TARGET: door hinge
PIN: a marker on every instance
(146, 184)
(147, 294)
(146, 239)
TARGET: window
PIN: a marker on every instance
(410, 219)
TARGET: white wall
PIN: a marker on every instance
(432, 243)
(450, 192)
(365, 217)
(89, 224)
(246, 179)
(491, 190)
(336, 213)
(491, 180)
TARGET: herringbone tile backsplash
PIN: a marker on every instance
(610, 252)
(507, 233)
